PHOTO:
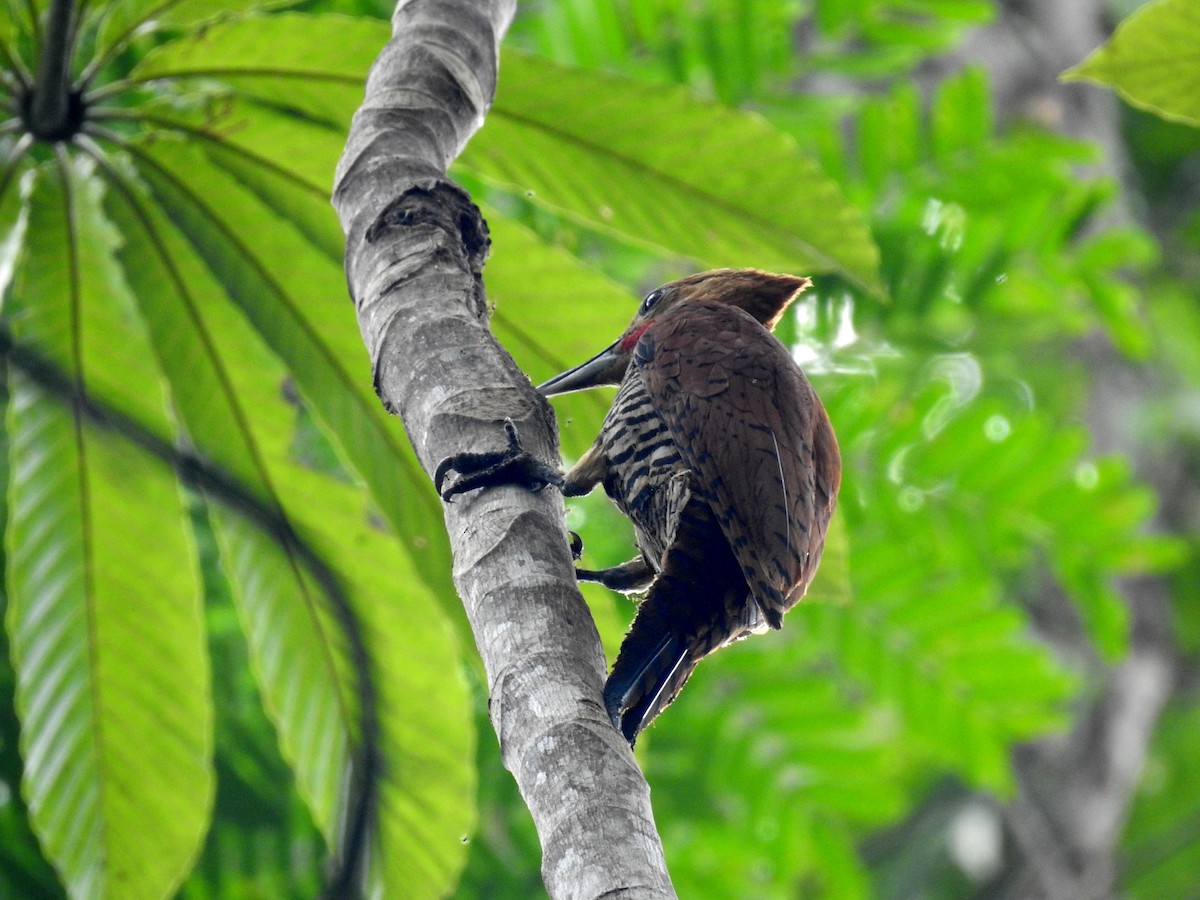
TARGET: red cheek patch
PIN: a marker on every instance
(628, 342)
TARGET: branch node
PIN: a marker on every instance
(443, 205)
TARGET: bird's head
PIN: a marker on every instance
(763, 295)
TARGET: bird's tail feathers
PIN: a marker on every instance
(697, 603)
(644, 681)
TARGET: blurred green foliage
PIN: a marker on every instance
(957, 264)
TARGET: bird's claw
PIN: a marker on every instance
(513, 465)
(576, 543)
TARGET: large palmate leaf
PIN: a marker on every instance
(104, 612)
(551, 309)
(231, 396)
(252, 331)
(674, 175)
(293, 289)
(295, 298)
(121, 18)
(313, 64)
(693, 179)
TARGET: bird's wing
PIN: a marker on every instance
(748, 423)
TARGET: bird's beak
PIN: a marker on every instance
(606, 367)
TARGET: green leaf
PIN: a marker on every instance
(842, 873)
(764, 742)
(965, 683)
(296, 299)
(832, 583)
(196, 340)
(1152, 61)
(8, 32)
(889, 136)
(1083, 514)
(960, 117)
(1160, 849)
(734, 51)
(228, 390)
(122, 18)
(662, 178)
(927, 633)
(553, 312)
(959, 243)
(262, 136)
(13, 223)
(316, 64)
(256, 145)
(426, 797)
(102, 579)
(686, 177)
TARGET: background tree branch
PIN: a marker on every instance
(415, 251)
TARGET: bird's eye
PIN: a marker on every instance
(651, 298)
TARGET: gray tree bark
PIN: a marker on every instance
(415, 249)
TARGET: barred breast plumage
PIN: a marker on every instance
(645, 477)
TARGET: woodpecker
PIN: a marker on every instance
(719, 451)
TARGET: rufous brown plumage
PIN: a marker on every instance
(720, 453)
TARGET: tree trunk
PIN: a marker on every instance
(415, 250)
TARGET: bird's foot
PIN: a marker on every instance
(576, 543)
(514, 465)
(635, 575)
